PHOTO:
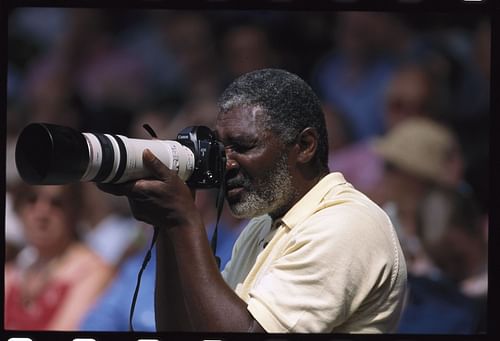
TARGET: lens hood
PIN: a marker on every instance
(49, 154)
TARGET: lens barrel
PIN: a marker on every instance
(48, 154)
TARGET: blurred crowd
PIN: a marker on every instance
(406, 99)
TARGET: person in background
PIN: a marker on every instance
(107, 228)
(451, 230)
(368, 47)
(418, 154)
(55, 278)
(111, 312)
(425, 195)
(449, 226)
(414, 91)
(190, 37)
(410, 92)
(247, 47)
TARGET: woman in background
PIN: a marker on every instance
(55, 279)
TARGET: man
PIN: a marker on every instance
(318, 256)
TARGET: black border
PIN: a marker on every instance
(488, 7)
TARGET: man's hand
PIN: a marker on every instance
(164, 200)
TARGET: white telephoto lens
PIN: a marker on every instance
(95, 157)
(175, 156)
(117, 159)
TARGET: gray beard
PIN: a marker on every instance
(268, 195)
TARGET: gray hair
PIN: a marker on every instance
(288, 101)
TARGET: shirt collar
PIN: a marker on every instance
(309, 203)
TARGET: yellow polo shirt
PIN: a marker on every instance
(332, 264)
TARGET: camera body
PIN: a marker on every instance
(49, 154)
(209, 156)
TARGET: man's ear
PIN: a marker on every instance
(307, 143)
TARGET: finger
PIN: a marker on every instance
(157, 168)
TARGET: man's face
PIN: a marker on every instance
(258, 175)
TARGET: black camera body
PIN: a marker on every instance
(49, 154)
(209, 155)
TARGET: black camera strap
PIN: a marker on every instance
(219, 206)
(147, 257)
(145, 262)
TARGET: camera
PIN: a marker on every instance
(49, 154)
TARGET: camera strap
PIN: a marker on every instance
(219, 206)
(147, 257)
(145, 262)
